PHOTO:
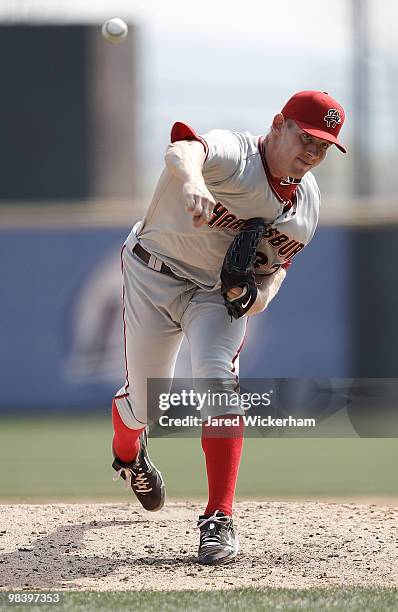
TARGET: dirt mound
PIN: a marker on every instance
(110, 547)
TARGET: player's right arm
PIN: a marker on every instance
(185, 159)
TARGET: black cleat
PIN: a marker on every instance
(218, 542)
(143, 477)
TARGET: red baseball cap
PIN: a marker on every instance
(317, 114)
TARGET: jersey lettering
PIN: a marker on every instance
(226, 220)
(218, 211)
(288, 247)
(237, 225)
(270, 232)
(298, 248)
(278, 240)
(223, 219)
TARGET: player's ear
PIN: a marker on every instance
(278, 122)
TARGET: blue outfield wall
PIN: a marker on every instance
(61, 326)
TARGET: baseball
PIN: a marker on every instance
(114, 30)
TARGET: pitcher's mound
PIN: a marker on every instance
(111, 547)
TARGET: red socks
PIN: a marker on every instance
(222, 446)
(125, 440)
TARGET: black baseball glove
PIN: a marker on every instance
(238, 267)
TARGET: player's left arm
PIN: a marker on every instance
(268, 286)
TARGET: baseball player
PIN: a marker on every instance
(230, 212)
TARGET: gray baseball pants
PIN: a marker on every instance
(158, 310)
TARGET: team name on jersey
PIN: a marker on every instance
(288, 248)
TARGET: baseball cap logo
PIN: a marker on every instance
(332, 117)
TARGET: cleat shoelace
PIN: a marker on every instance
(138, 479)
(211, 537)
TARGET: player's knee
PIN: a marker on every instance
(212, 368)
(122, 409)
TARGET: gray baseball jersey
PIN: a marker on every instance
(159, 309)
(236, 174)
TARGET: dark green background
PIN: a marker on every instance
(70, 459)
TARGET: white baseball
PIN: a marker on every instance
(114, 30)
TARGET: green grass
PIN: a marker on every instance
(69, 459)
(245, 600)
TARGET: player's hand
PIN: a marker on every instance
(199, 202)
(267, 288)
(234, 292)
(255, 308)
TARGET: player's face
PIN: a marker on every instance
(296, 152)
